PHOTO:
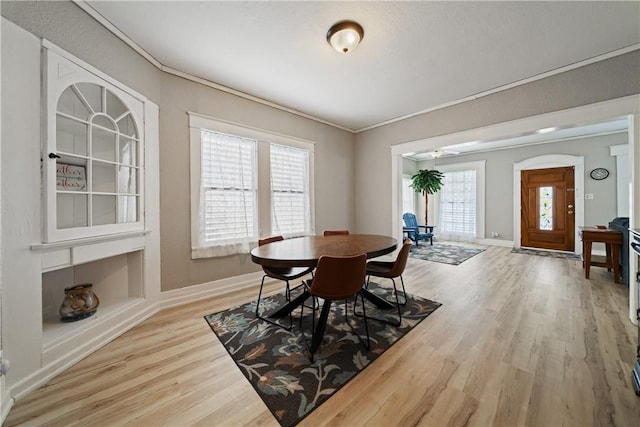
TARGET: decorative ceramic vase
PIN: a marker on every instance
(79, 303)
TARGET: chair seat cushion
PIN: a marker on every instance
(379, 268)
(287, 273)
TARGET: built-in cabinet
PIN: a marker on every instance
(98, 157)
(93, 154)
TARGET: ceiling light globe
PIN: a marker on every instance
(345, 36)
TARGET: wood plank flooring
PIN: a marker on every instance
(520, 340)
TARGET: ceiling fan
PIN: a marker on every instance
(441, 152)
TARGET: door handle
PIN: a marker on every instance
(570, 206)
(570, 212)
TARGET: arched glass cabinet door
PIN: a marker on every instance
(94, 155)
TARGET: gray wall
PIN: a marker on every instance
(66, 25)
(613, 78)
(499, 178)
(333, 174)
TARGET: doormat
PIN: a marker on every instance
(549, 254)
(443, 253)
(276, 363)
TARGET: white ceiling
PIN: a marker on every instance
(415, 56)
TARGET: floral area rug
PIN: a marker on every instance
(276, 362)
(444, 253)
(550, 254)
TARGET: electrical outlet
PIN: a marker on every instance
(4, 367)
(495, 234)
(588, 196)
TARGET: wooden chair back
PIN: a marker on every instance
(338, 278)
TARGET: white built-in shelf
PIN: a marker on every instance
(55, 332)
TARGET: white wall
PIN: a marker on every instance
(21, 211)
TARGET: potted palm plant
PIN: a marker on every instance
(427, 181)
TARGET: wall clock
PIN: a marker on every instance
(599, 174)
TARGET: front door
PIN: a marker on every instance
(547, 208)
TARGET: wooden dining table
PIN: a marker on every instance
(305, 252)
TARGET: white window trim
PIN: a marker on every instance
(479, 167)
(197, 122)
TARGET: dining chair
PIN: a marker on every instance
(336, 278)
(336, 232)
(390, 270)
(286, 274)
(412, 229)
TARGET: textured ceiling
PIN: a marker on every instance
(415, 56)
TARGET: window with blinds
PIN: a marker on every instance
(458, 203)
(290, 207)
(246, 184)
(228, 188)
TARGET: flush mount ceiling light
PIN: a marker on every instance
(546, 130)
(344, 36)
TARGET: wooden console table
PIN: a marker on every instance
(612, 240)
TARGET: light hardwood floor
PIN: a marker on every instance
(519, 340)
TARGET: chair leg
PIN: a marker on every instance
(287, 296)
(399, 322)
(404, 293)
(259, 296)
(364, 316)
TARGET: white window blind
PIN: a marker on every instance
(228, 189)
(290, 201)
(458, 205)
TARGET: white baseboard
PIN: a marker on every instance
(495, 242)
(61, 363)
(210, 289)
(6, 403)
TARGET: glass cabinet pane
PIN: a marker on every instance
(103, 144)
(127, 209)
(71, 174)
(71, 210)
(126, 126)
(104, 121)
(127, 180)
(128, 152)
(71, 136)
(93, 94)
(70, 104)
(103, 210)
(115, 107)
(103, 178)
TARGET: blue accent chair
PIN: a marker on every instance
(412, 229)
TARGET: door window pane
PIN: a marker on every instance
(546, 208)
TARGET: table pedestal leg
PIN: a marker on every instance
(322, 323)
